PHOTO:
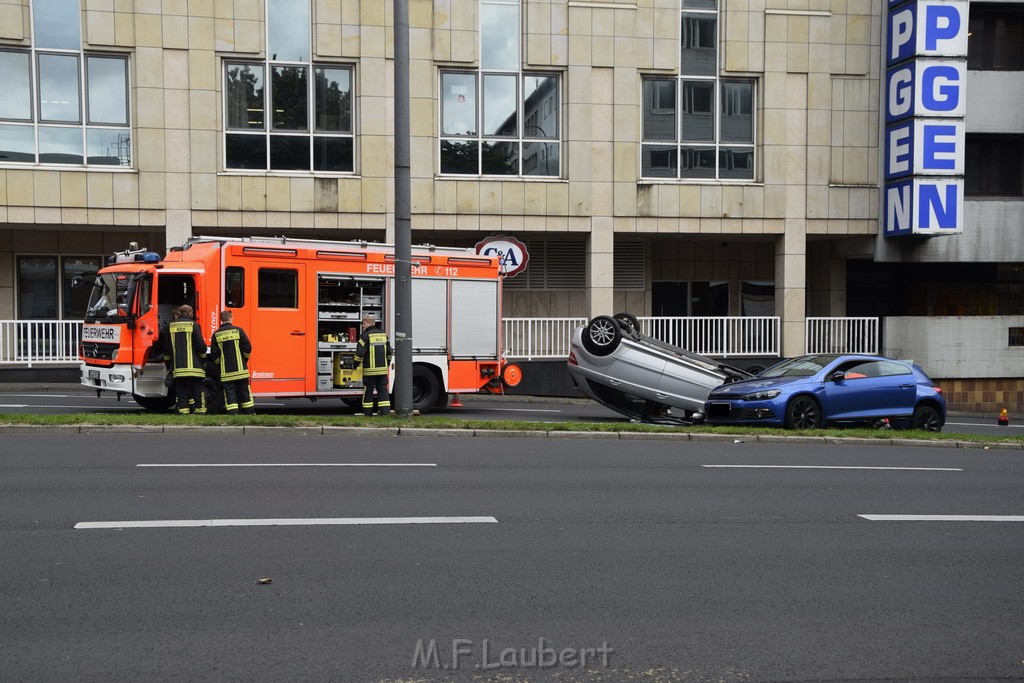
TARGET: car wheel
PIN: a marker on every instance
(803, 412)
(927, 419)
(602, 335)
(628, 322)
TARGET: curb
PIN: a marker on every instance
(260, 430)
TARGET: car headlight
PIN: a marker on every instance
(761, 395)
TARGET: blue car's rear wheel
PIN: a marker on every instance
(803, 412)
(927, 419)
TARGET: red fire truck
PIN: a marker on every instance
(301, 302)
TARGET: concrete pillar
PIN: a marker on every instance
(601, 267)
(791, 285)
(177, 147)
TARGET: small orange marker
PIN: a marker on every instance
(1004, 419)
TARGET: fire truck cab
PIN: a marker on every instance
(301, 303)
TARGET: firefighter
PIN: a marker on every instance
(185, 351)
(231, 351)
(373, 353)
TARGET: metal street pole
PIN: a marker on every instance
(403, 218)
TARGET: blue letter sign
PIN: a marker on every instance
(926, 68)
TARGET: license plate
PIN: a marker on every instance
(94, 374)
(719, 409)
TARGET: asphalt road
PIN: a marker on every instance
(72, 398)
(684, 561)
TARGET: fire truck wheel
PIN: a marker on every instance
(353, 403)
(155, 404)
(602, 335)
(424, 389)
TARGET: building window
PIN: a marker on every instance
(310, 123)
(500, 121)
(698, 126)
(60, 105)
(996, 37)
(47, 289)
(994, 166)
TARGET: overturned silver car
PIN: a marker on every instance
(643, 378)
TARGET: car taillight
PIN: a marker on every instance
(938, 390)
(572, 359)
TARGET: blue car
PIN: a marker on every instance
(813, 391)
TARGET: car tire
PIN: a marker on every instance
(926, 418)
(803, 412)
(628, 322)
(602, 335)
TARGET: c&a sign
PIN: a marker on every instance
(511, 253)
(926, 67)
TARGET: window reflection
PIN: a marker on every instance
(500, 158)
(458, 104)
(333, 154)
(109, 146)
(460, 158)
(540, 107)
(16, 93)
(288, 30)
(659, 110)
(58, 88)
(289, 98)
(57, 24)
(289, 153)
(244, 108)
(698, 53)
(247, 152)
(17, 143)
(60, 145)
(333, 100)
(108, 93)
(499, 36)
(500, 105)
(737, 112)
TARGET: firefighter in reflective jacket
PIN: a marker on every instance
(185, 353)
(373, 353)
(231, 351)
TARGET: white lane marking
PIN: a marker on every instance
(519, 410)
(841, 467)
(13, 405)
(944, 518)
(299, 521)
(288, 464)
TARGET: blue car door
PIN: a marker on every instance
(869, 389)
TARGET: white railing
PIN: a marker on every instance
(39, 342)
(841, 335)
(539, 338)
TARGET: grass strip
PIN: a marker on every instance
(442, 422)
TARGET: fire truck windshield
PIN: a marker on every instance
(109, 297)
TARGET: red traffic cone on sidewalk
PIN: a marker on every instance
(456, 402)
(1004, 419)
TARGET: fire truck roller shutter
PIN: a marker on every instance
(474, 319)
(429, 315)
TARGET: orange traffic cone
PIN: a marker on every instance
(456, 402)
(1004, 419)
